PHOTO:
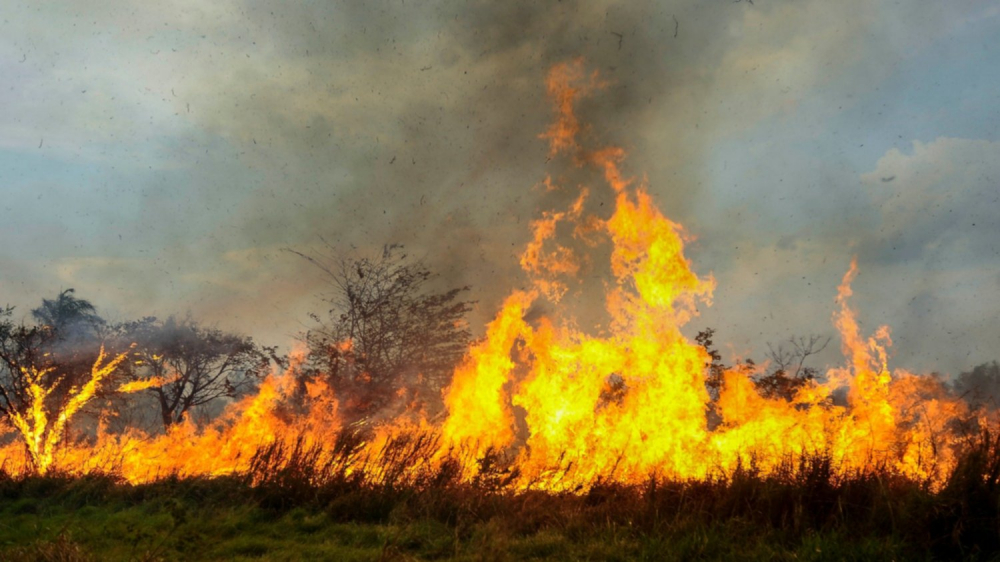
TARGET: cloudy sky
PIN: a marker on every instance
(160, 157)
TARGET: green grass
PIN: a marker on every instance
(187, 531)
(97, 519)
(286, 510)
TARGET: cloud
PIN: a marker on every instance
(938, 204)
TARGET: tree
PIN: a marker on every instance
(188, 365)
(10, 393)
(69, 334)
(66, 313)
(64, 345)
(980, 386)
(790, 370)
(45, 377)
(387, 330)
(715, 374)
(788, 361)
(715, 369)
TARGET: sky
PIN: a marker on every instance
(162, 158)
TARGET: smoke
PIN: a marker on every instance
(164, 156)
(418, 123)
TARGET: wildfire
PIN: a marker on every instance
(41, 434)
(626, 402)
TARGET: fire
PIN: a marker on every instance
(625, 402)
(565, 85)
(40, 433)
(137, 385)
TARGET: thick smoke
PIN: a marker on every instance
(161, 158)
(418, 123)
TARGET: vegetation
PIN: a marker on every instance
(387, 330)
(788, 370)
(980, 386)
(282, 511)
(183, 364)
(57, 353)
(50, 371)
(192, 365)
(319, 501)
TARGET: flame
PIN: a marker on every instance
(40, 433)
(480, 381)
(153, 382)
(544, 266)
(565, 85)
(624, 402)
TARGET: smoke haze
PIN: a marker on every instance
(160, 157)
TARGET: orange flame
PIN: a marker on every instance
(153, 382)
(39, 432)
(624, 403)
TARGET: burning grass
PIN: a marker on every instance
(555, 441)
(285, 506)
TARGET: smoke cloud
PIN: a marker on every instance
(161, 158)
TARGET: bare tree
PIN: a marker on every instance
(12, 386)
(190, 365)
(789, 362)
(386, 330)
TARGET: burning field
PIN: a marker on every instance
(584, 412)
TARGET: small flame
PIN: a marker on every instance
(144, 384)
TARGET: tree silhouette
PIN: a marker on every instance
(66, 312)
(188, 365)
(49, 372)
(714, 369)
(790, 369)
(64, 345)
(981, 386)
(387, 330)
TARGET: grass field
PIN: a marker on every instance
(66, 520)
(803, 512)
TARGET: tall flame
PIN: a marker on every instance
(625, 402)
